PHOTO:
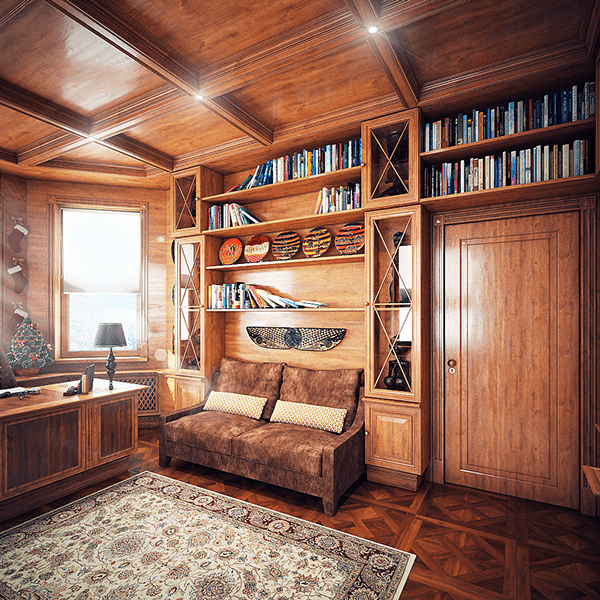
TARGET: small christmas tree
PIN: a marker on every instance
(28, 350)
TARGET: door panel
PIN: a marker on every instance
(512, 326)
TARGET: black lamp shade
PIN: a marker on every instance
(110, 335)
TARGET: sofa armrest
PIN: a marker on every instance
(182, 412)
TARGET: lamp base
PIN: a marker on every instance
(111, 367)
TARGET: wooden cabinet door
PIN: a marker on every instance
(396, 444)
(113, 428)
(512, 328)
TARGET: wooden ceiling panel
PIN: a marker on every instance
(208, 32)
(46, 52)
(185, 130)
(97, 153)
(479, 33)
(316, 87)
(18, 130)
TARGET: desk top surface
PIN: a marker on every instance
(51, 396)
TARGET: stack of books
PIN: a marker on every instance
(241, 295)
(336, 199)
(565, 106)
(230, 215)
(516, 167)
(305, 163)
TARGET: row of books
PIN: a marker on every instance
(541, 163)
(230, 215)
(565, 106)
(306, 163)
(241, 295)
(337, 199)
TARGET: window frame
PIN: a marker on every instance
(60, 298)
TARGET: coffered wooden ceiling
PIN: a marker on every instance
(99, 91)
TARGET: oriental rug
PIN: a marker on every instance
(155, 537)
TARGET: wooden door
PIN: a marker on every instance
(512, 327)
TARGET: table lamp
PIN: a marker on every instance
(110, 335)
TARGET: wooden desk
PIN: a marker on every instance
(53, 445)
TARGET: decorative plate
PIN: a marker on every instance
(256, 248)
(316, 242)
(230, 251)
(311, 339)
(350, 239)
(285, 245)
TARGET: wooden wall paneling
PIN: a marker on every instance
(13, 204)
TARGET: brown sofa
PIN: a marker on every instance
(305, 459)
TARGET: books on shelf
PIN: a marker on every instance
(564, 106)
(511, 167)
(305, 163)
(337, 199)
(230, 215)
(242, 295)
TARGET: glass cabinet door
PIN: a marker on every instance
(187, 299)
(394, 305)
(184, 202)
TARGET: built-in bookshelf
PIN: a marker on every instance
(533, 142)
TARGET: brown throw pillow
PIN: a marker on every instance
(253, 379)
(337, 388)
(7, 377)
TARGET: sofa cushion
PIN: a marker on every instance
(336, 388)
(209, 430)
(254, 379)
(237, 404)
(291, 447)
(7, 377)
(309, 415)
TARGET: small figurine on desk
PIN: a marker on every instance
(73, 390)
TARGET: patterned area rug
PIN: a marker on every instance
(155, 537)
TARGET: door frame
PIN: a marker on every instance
(590, 336)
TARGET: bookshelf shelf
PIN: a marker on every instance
(293, 186)
(514, 193)
(282, 310)
(308, 221)
(298, 262)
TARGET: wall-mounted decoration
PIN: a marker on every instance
(316, 242)
(28, 351)
(19, 313)
(17, 274)
(256, 248)
(286, 245)
(313, 339)
(350, 239)
(230, 251)
(17, 234)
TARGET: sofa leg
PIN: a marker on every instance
(330, 506)
(163, 459)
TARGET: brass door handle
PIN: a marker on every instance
(452, 366)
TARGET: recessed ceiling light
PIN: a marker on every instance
(373, 29)
(199, 97)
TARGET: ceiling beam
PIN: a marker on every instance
(50, 147)
(42, 109)
(8, 156)
(391, 57)
(118, 29)
(13, 11)
(130, 147)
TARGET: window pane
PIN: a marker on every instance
(101, 251)
(86, 311)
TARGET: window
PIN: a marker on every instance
(101, 254)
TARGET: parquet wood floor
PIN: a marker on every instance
(470, 545)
